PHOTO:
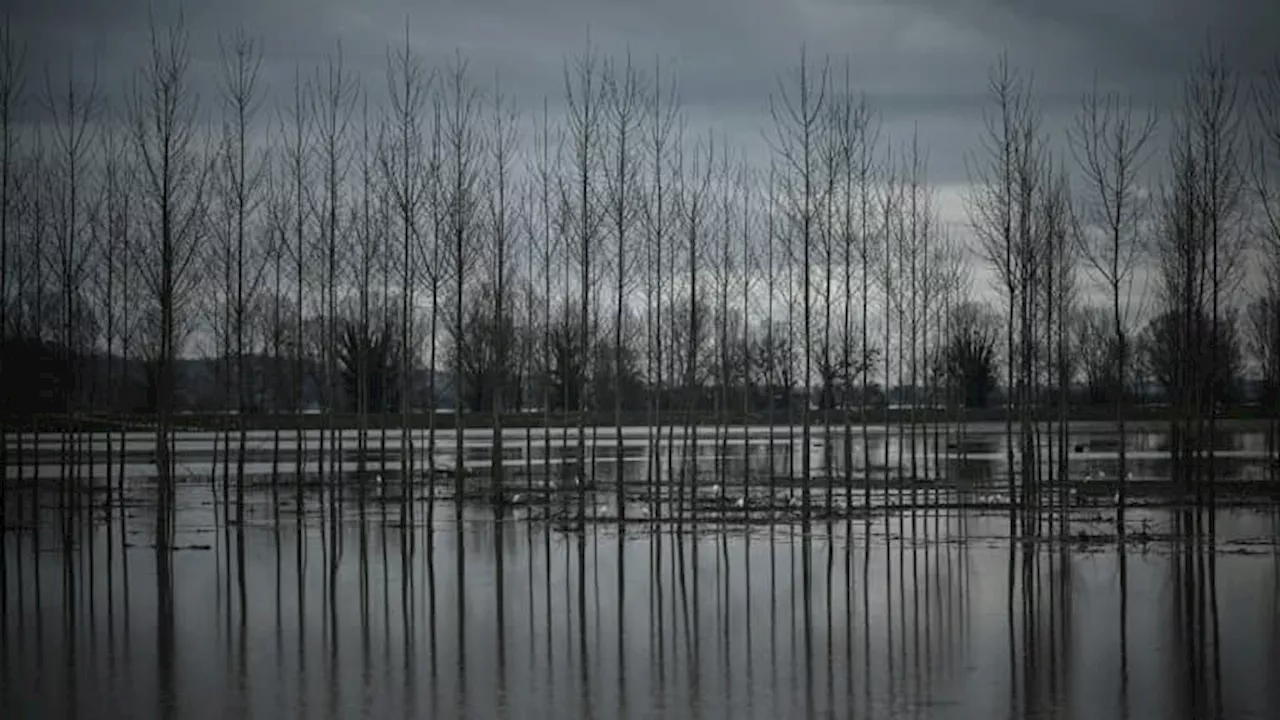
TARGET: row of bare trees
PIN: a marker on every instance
(1084, 246)
(604, 257)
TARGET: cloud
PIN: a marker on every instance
(918, 60)
(922, 63)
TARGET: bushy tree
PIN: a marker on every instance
(1264, 342)
(1170, 344)
(369, 350)
(481, 369)
(1097, 354)
(969, 354)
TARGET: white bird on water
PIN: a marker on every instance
(740, 503)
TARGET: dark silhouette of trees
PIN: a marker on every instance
(1097, 350)
(969, 355)
(1111, 143)
(368, 354)
(1172, 343)
(173, 171)
(1263, 332)
(482, 366)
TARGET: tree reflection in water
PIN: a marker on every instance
(930, 610)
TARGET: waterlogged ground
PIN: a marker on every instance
(346, 608)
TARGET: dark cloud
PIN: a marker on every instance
(922, 62)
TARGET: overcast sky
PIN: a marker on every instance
(922, 63)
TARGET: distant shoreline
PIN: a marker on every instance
(1142, 415)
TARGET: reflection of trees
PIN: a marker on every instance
(1195, 622)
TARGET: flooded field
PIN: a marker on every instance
(374, 594)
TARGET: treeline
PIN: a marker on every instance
(605, 257)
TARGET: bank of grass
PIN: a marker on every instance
(1144, 414)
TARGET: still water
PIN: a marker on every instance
(340, 611)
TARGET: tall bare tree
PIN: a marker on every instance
(544, 173)
(1200, 248)
(463, 153)
(242, 174)
(1110, 140)
(1266, 185)
(661, 108)
(409, 176)
(624, 116)
(797, 110)
(585, 95)
(332, 106)
(12, 82)
(112, 269)
(12, 96)
(173, 173)
(296, 140)
(503, 139)
(861, 142)
(74, 107)
(1000, 212)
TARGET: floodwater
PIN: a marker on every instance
(329, 602)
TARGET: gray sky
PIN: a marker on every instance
(923, 63)
(919, 60)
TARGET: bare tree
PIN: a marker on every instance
(74, 107)
(502, 144)
(295, 130)
(1265, 314)
(1200, 246)
(1001, 214)
(862, 137)
(585, 94)
(242, 177)
(1263, 327)
(332, 106)
(278, 226)
(410, 177)
(544, 172)
(173, 173)
(747, 271)
(368, 247)
(768, 351)
(661, 111)
(463, 149)
(1058, 295)
(890, 214)
(12, 82)
(797, 116)
(624, 97)
(112, 270)
(1110, 142)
